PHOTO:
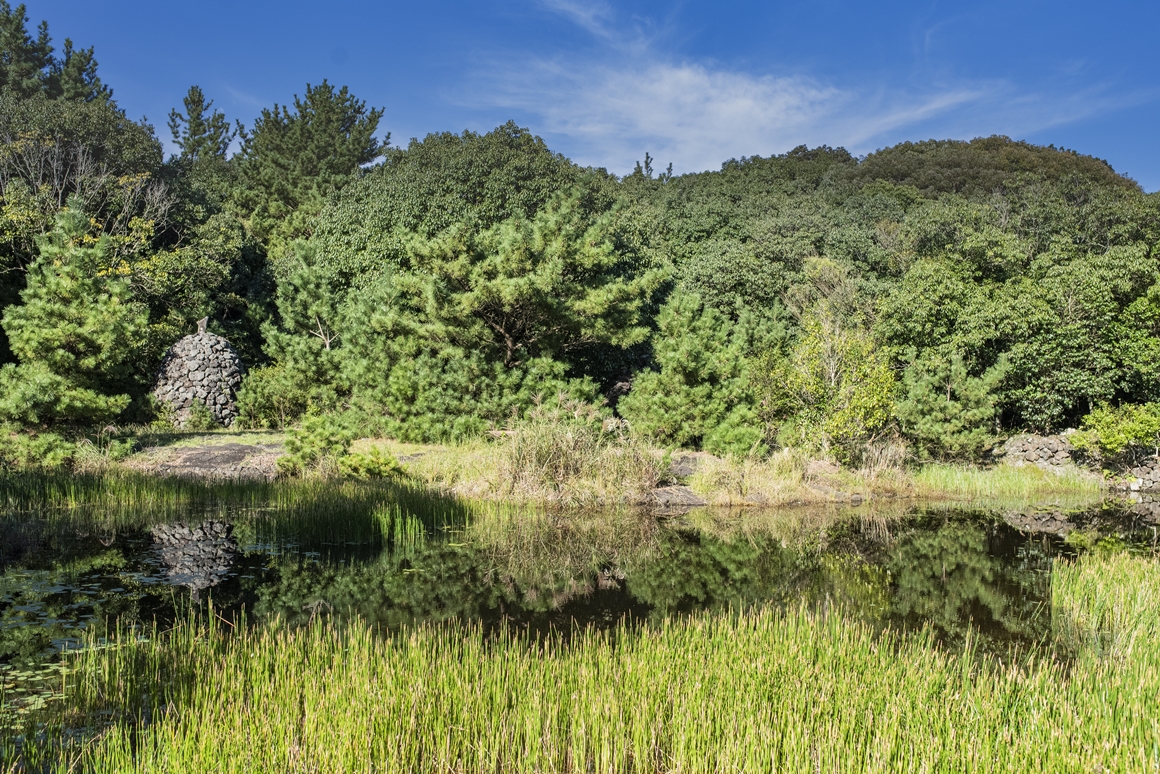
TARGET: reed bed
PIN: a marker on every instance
(1107, 605)
(554, 466)
(311, 510)
(761, 691)
(1003, 481)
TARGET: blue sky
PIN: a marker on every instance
(693, 83)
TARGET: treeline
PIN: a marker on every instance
(934, 295)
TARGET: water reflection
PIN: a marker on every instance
(196, 557)
(947, 569)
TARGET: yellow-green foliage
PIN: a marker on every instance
(1108, 603)
(755, 692)
(570, 452)
(373, 463)
(1128, 428)
(835, 390)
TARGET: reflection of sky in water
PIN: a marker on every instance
(938, 570)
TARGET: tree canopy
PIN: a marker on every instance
(941, 293)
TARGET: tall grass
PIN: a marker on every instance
(306, 511)
(1107, 604)
(1003, 481)
(755, 692)
(568, 453)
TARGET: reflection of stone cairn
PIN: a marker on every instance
(197, 557)
(202, 368)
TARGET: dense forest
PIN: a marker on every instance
(933, 296)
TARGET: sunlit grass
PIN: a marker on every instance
(1108, 604)
(755, 692)
(1003, 481)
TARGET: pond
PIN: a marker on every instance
(396, 558)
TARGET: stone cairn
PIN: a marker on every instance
(202, 368)
(196, 557)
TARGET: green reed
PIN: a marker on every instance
(759, 691)
(1003, 481)
(309, 510)
(1107, 604)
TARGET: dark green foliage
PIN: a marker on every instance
(320, 440)
(271, 397)
(76, 335)
(199, 132)
(306, 342)
(545, 286)
(53, 150)
(28, 67)
(947, 413)
(699, 395)
(981, 166)
(467, 277)
(474, 335)
(292, 160)
(200, 419)
(472, 181)
(23, 451)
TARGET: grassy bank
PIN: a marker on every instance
(492, 470)
(761, 691)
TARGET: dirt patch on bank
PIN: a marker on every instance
(246, 462)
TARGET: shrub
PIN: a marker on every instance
(21, 450)
(200, 419)
(572, 450)
(76, 333)
(317, 444)
(374, 463)
(270, 397)
(1130, 431)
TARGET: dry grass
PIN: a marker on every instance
(568, 458)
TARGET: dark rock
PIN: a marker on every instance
(201, 367)
(676, 496)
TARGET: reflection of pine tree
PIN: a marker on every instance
(948, 578)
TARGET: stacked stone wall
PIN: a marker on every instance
(202, 368)
(1144, 477)
(1051, 451)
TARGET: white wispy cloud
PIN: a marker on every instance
(631, 97)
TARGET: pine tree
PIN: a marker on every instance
(946, 412)
(292, 161)
(201, 133)
(76, 334)
(28, 68)
(700, 397)
(23, 60)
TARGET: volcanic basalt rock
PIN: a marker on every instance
(202, 368)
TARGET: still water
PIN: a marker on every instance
(983, 568)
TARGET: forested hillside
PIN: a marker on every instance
(933, 296)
